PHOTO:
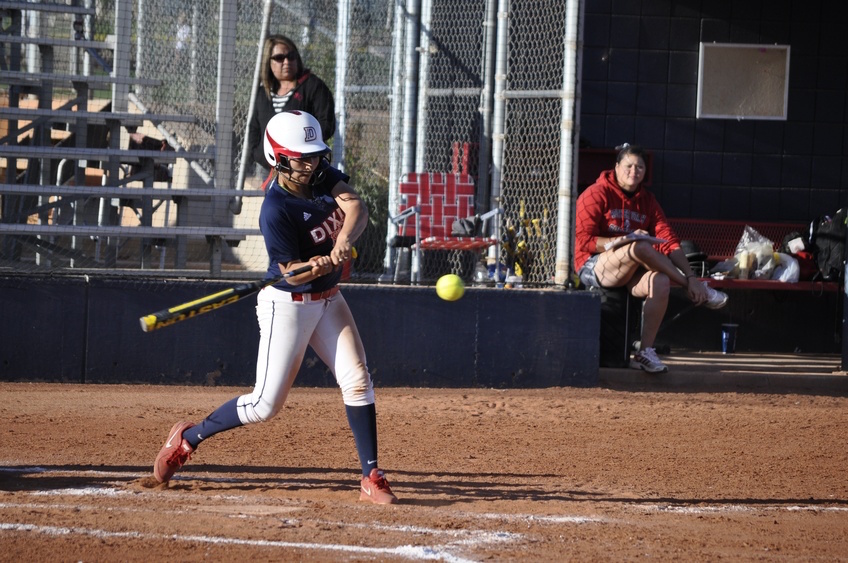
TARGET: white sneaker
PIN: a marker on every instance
(715, 299)
(647, 360)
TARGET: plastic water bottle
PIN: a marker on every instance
(481, 275)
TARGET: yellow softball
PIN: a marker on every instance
(450, 287)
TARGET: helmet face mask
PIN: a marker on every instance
(284, 165)
(295, 135)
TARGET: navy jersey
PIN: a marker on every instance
(297, 229)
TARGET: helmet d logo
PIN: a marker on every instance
(309, 134)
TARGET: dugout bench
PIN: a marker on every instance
(717, 240)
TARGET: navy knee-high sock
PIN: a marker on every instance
(223, 418)
(363, 423)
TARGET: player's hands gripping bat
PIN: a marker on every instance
(167, 317)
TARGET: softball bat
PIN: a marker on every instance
(173, 315)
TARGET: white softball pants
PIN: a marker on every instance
(286, 328)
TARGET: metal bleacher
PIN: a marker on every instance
(67, 180)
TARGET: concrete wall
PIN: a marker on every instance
(87, 330)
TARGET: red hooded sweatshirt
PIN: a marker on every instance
(605, 210)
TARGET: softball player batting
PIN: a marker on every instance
(310, 215)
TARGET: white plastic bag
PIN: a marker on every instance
(755, 255)
(788, 270)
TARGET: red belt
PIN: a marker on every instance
(314, 296)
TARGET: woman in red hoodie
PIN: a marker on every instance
(624, 240)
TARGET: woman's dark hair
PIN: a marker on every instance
(627, 148)
(269, 82)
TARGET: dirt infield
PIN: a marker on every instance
(553, 474)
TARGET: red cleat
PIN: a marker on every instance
(376, 489)
(173, 454)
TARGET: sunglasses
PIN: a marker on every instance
(280, 58)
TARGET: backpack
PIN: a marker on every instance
(469, 227)
(798, 246)
(790, 245)
(827, 242)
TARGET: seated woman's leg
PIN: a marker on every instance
(647, 273)
(614, 268)
(654, 288)
(655, 261)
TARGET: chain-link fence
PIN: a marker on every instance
(531, 157)
(416, 89)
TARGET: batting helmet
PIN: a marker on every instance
(292, 134)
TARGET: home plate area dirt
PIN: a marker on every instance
(481, 474)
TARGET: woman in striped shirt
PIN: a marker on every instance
(286, 85)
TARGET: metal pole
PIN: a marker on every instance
(88, 27)
(197, 23)
(121, 63)
(395, 137)
(236, 202)
(140, 51)
(342, 46)
(411, 93)
(499, 118)
(227, 20)
(410, 107)
(33, 28)
(485, 109)
(569, 140)
(226, 94)
(422, 115)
